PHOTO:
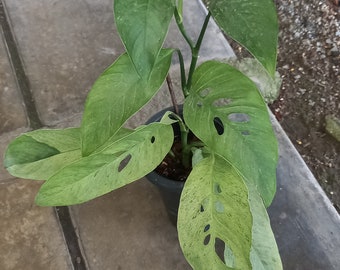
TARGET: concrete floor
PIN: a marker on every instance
(64, 46)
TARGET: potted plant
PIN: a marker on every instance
(226, 141)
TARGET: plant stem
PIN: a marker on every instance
(184, 141)
(180, 8)
(185, 149)
(172, 94)
(180, 25)
(186, 84)
(183, 76)
(195, 51)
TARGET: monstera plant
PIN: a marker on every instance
(222, 219)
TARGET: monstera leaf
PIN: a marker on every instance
(214, 217)
(264, 254)
(116, 95)
(120, 161)
(226, 111)
(252, 23)
(142, 26)
(39, 154)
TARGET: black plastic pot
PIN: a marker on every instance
(170, 190)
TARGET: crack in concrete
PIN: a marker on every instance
(71, 238)
(18, 69)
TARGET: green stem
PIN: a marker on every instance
(186, 85)
(195, 51)
(183, 76)
(180, 8)
(172, 154)
(184, 141)
(180, 25)
(196, 144)
(172, 94)
(185, 149)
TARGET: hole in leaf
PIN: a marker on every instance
(239, 117)
(217, 188)
(222, 102)
(124, 162)
(206, 228)
(202, 208)
(219, 248)
(245, 132)
(153, 139)
(204, 203)
(218, 125)
(219, 207)
(205, 92)
(206, 240)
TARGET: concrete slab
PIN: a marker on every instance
(128, 229)
(12, 111)
(305, 223)
(30, 235)
(64, 45)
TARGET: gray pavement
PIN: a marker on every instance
(64, 46)
(12, 111)
(31, 237)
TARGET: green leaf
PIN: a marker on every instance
(252, 23)
(118, 163)
(264, 253)
(41, 153)
(226, 112)
(214, 216)
(142, 26)
(117, 94)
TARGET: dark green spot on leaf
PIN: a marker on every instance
(25, 149)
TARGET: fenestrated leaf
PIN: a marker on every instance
(118, 163)
(264, 253)
(41, 153)
(214, 209)
(117, 94)
(142, 26)
(226, 111)
(252, 23)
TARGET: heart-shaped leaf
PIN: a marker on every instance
(142, 26)
(116, 164)
(226, 111)
(252, 23)
(214, 217)
(41, 153)
(116, 95)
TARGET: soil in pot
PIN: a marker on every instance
(170, 175)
